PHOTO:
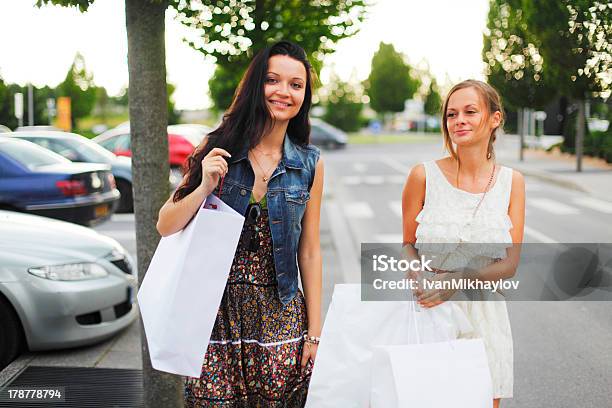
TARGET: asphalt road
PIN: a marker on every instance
(562, 350)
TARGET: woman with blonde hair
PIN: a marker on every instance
(452, 206)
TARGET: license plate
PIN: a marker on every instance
(101, 210)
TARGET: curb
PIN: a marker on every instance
(549, 178)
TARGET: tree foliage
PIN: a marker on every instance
(433, 101)
(514, 64)
(575, 43)
(343, 105)
(79, 86)
(390, 82)
(233, 31)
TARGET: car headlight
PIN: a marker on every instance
(70, 272)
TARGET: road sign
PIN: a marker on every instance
(63, 113)
(19, 105)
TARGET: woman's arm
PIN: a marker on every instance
(173, 216)
(309, 259)
(413, 199)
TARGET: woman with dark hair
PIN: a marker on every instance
(259, 162)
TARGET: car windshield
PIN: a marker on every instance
(30, 155)
(87, 150)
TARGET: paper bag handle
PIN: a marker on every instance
(414, 310)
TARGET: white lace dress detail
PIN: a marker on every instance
(448, 232)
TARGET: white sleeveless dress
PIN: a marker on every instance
(445, 223)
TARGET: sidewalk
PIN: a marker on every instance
(560, 169)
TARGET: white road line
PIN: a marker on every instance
(594, 204)
(397, 166)
(389, 238)
(358, 210)
(352, 180)
(552, 206)
(539, 236)
(532, 187)
(360, 167)
(396, 179)
(122, 217)
(396, 207)
(374, 179)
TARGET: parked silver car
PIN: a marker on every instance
(61, 285)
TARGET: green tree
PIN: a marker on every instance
(343, 105)
(234, 31)
(390, 82)
(575, 44)
(148, 107)
(514, 64)
(433, 101)
(7, 108)
(173, 115)
(79, 86)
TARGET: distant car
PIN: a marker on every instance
(4, 129)
(325, 135)
(37, 127)
(38, 181)
(61, 285)
(78, 148)
(197, 131)
(118, 141)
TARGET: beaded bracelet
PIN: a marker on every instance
(311, 339)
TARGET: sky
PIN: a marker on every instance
(39, 45)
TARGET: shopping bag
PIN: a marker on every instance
(180, 295)
(438, 372)
(353, 328)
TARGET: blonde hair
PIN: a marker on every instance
(493, 104)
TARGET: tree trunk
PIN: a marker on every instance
(579, 134)
(149, 144)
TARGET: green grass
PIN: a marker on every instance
(389, 138)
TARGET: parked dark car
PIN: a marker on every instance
(78, 148)
(325, 135)
(38, 181)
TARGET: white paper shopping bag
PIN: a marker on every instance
(341, 374)
(433, 369)
(431, 375)
(182, 290)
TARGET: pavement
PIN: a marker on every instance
(557, 168)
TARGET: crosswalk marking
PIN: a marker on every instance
(396, 207)
(376, 179)
(389, 238)
(396, 179)
(397, 166)
(594, 204)
(359, 167)
(351, 180)
(552, 206)
(538, 236)
(358, 210)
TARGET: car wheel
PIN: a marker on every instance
(11, 335)
(126, 202)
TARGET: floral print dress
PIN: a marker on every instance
(253, 358)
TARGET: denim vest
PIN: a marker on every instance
(288, 192)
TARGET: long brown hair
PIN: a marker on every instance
(248, 117)
(493, 104)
